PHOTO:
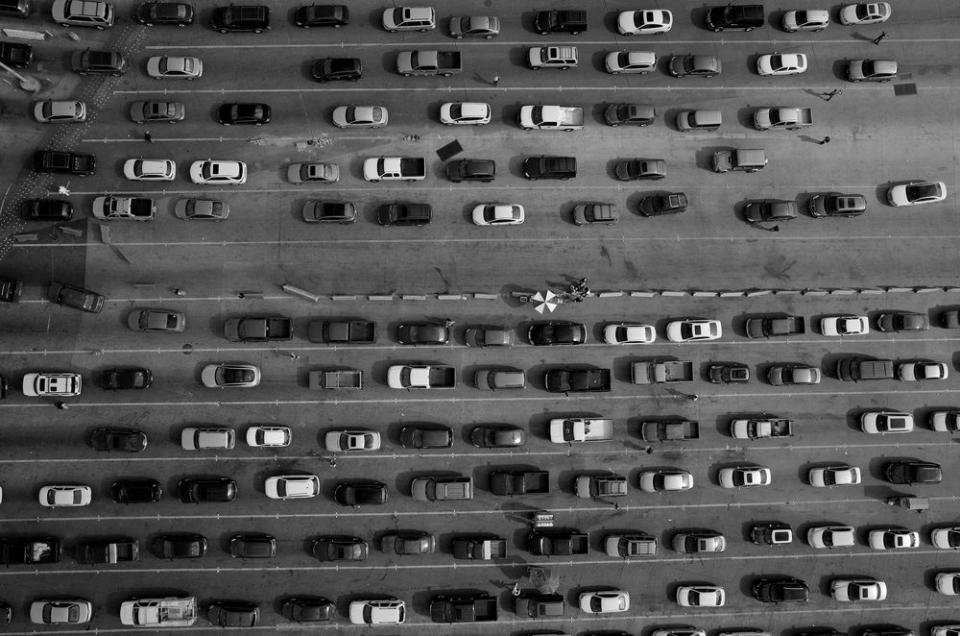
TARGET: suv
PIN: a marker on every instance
(322, 15)
(780, 590)
(409, 19)
(236, 18)
(471, 170)
(629, 114)
(745, 17)
(76, 297)
(561, 21)
(549, 167)
(405, 214)
(689, 120)
(85, 13)
(562, 57)
(89, 62)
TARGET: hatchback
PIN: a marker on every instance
(360, 493)
(179, 546)
(607, 602)
(207, 490)
(633, 169)
(292, 486)
(233, 614)
(343, 212)
(377, 612)
(61, 612)
(700, 596)
(635, 62)
(829, 536)
(499, 378)
(266, 436)
(150, 169)
(65, 496)
(465, 113)
(629, 115)
(207, 438)
(695, 65)
(218, 171)
(253, 546)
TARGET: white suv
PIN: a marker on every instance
(410, 19)
(86, 13)
(218, 171)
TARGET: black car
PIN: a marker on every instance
(238, 18)
(426, 436)
(128, 491)
(250, 114)
(556, 332)
(890, 321)
(885, 630)
(207, 489)
(339, 548)
(4, 387)
(10, 292)
(90, 62)
(763, 210)
(126, 378)
(662, 203)
(46, 210)
(322, 15)
(780, 590)
(912, 471)
(405, 214)
(15, 551)
(175, 13)
(728, 373)
(76, 297)
(118, 439)
(497, 436)
(179, 546)
(233, 614)
(16, 54)
(253, 546)
(360, 493)
(423, 333)
(570, 380)
(315, 211)
(308, 609)
(329, 69)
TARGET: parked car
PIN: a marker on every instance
(831, 536)
(499, 378)
(480, 26)
(423, 332)
(201, 209)
(207, 438)
(403, 542)
(695, 65)
(812, 20)
(605, 602)
(75, 297)
(945, 421)
(844, 325)
(864, 13)
(351, 440)
(465, 113)
(697, 541)
(916, 193)
(831, 204)
(490, 214)
(793, 373)
(179, 546)
(322, 15)
(207, 490)
(405, 214)
(765, 210)
(633, 169)
(556, 332)
(833, 475)
(51, 384)
(360, 117)
(61, 612)
(946, 537)
(693, 329)
(169, 13)
(893, 538)
(119, 439)
(858, 589)
(156, 320)
(745, 476)
(665, 480)
(126, 378)
(266, 436)
(255, 114)
(339, 548)
(629, 114)
(426, 436)
(895, 321)
(60, 111)
(341, 212)
(46, 210)
(781, 64)
(218, 172)
(128, 491)
(308, 609)
(360, 493)
(916, 370)
(253, 546)
(700, 596)
(870, 70)
(174, 67)
(660, 203)
(303, 486)
(377, 612)
(498, 436)
(333, 69)
(644, 22)
(886, 421)
(633, 62)
(226, 374)
(624, 333)
(149, 112)
(233, 614)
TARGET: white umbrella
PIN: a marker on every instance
(538, 297)
(549, 300)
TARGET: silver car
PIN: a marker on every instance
(360, 116)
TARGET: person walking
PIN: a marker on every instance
(825, 140)
(877, 40)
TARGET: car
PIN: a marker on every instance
(51, 384)
(745, 476)
(303, 486)
(660, 203)
(793, 373)
(916, 193)
(487, 214)
(92, 62)
(308, 609)
(118, 439)
(218, 172)
(408, 542)
(173, 13)
(360, 117)
(425, 332)
(622, 333)
(60, 111)
(253, 546)
(499, 378)
(560, 57)
(230, 375)
(420, 19)
(465, 113)
(629, 545)
(61, 612)
(916, 370)
(833, 475)
(333, 69)
(207, 489)
(700, 595)
(947, 583)
(497, 436)
(886, 421)
(426, 436)
(781, 64)
(771, 533)
(313, 171)
(342, 212)
(86, 13)
(266, 436)
(912, 471)
(664, 480)
(405, 214)
(831, 204)
(32, 550)
(728, 373)
(556, 332)
(46, 210)
(486, 336)
(126, 378)
(893, 538)
(629, 114)
(156, 320)
(948, 629)
(895, 321)
(387, 611)
(695, 66)
(242, 18)
(812, 20)
(600, 486)
(16, 54)
(945, 421)
(174, 67)
(322, 15)
(858, 589)
(678, 631)
(339, 548)
(693, 330)
(479, 26)
(128, 491)
(10, 291)
(157, 112)
(360, 493)
(870, 70)
(605, 602)
(255, 114)
(764, 210)
(65, 496)
(207, 438)
(201, 209)
(831, 536)
(150, 169)
(233, 614)
(76, 297)
(632, 169)
(780, 589)
(697, 541)
(634, 62)
(351, 440)
(864, 13)
(946, 537)
(949, 319)
(645, 22)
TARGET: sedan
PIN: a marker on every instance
(70, 612)
(408, 542)
(360, 493)
(700, 596)
(782, 64)
(844, 325)
(427, 332)
(339, 548)
(865, 13)
(834, 475)
(872, 70)
(912, 471)
(254, 114)
(156, 320)
(426, 436)
(608, 602)
(623, 333)
(46, 210)
(233, 614)
(126, 378)
(849, 590)
(487, 214)
(695, 66)
(292, 486)
(315, 171)
(631, 169)
(264, 436)
(665, 480)
(71, 496)
(218, 172)
(228, 375)
(695, 542)
(59, 111)
(150, 112)
(645, 22)
(946, 538)
(895, 321)
(886, 422)
(479, 26)
(150, 169)
(171, 67)
(823, 537)
(947, 421)
(118, 439)
(805, 20)
(793, 373)
(763, 210)
(201, 210)
(744, 476)
(893, 538)
(173, 13)
(253, 546)
(916, 370)
(360, 117)
(556, 332)
(947, 583)
(351, 440)
(916, 193)
(342, 212)
(332, 69)
(465, 113)
(497, 436)
(693, 329)
(179, 546)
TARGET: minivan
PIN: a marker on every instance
(745, 17)
(703, 120)
(549, 167)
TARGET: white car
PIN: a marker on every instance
(822, 537)
(949, 629)
(892, 538)
(65, 496)
(946, 538)
(172, 67)
(865, 13)
(844, 325)
(218, 172)
(879, 422)
(916, 193)
(645, 22)
(850, 590)
(700, 596)
(610, 602)
(465, 113)
(744, 476)
(693, 329)
(314, 171)
(360, 117)
(948, 583)
(624, 333)
(264, 436)
(207, 438)
(636, 62)
(945, 421)
(679, 631)
(292, 486)
(150, 169)
(60, 612)
(550, 117)
(347, 440)
(782, 64)
(51, 384)
(665, 480)
(835, 475)
(377, 612)
(805, 20)
(498, 214)
(916, 370)
(409, 19)
(59, 111)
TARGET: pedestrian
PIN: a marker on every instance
(178, 292)
(496, 80)
(877, 40)
(693, 397)
(147, 137)
(60, 405)
(516, 589)
(333, 462)
(825, 140)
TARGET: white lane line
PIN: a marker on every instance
(434, 90)
(158, 138)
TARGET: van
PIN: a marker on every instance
(540, 606)
(561, 21)
(549, 167)
(442, 488)
(860, 368)
(739, 160)
(702, 120)
(237, 18)
(745, 17)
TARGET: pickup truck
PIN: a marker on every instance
(669, 430)
(761, 427)
(771, 533)
(342, 331)
(258, 329)
(519, 482)
(10, 290)
(77, 163)
(659, 371)
(111, 208)
(16, 551)
(577, 380)
(443, 63)
(110, 551)
(779, 325)
(336, 379)
(395, 169)
(479, 548)
(421, 376)
(580, 429)
(169, 611)
(463, 609)
(558, 542)
(784, 118)
(566, 118)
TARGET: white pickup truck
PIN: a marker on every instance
(395, 169)
(170, 611)
(566, 118)
(580, 429)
